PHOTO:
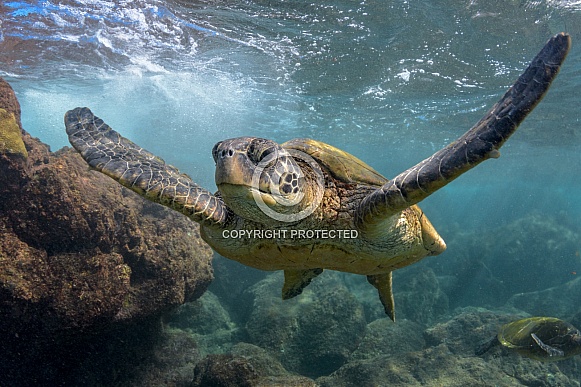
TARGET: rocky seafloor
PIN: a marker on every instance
(99, 287)
(334, 334)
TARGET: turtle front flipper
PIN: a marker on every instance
(139, 170)
(481, 142)
(551, 351)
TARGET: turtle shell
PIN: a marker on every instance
(557, 334)
(341, 165)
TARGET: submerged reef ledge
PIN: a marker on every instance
(81, 256)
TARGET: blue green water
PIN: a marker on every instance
(388, 81)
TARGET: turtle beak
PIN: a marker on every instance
(238, 160)
(233, 165)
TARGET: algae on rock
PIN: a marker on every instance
(10, 135)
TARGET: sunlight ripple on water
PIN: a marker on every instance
(374, 78)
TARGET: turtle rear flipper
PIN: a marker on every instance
(384, 285)
(551, 351)
(139, 170)
(296, 280)
(480, 143)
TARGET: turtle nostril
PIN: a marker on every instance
(226, 153)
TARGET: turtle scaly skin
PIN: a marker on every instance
(139, 170)
(305, 186)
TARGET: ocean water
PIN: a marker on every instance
(388, 81)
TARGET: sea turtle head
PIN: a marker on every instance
(575, 338)
(261, 181)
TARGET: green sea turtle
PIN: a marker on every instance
(304, 206)
(540, 338)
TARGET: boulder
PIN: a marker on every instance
(312, 334)
(79, 254)
(559, 301)
(384, 337)
(207, 322)
(247, 365)
(531, 254)
(448, 359)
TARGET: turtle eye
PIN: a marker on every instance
(258, 149)
(265, 152)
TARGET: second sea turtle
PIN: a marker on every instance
(539, 338)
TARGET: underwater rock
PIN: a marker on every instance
(530, 254)
(419, 297)
(435, 367)
(9, 102)
(127, 355)
(417, 292)
(562, 301)
(262, 361)
(79, 254)
(384, 337)
(77, 245)
(207, 322)
(312, 334)
(224, 370)
(246, 365)
(467, 329)
(10, 135)
(171, 361)
(231, 281)
(448, 360)
(431, 367)
(271, 372)
(203, 316)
